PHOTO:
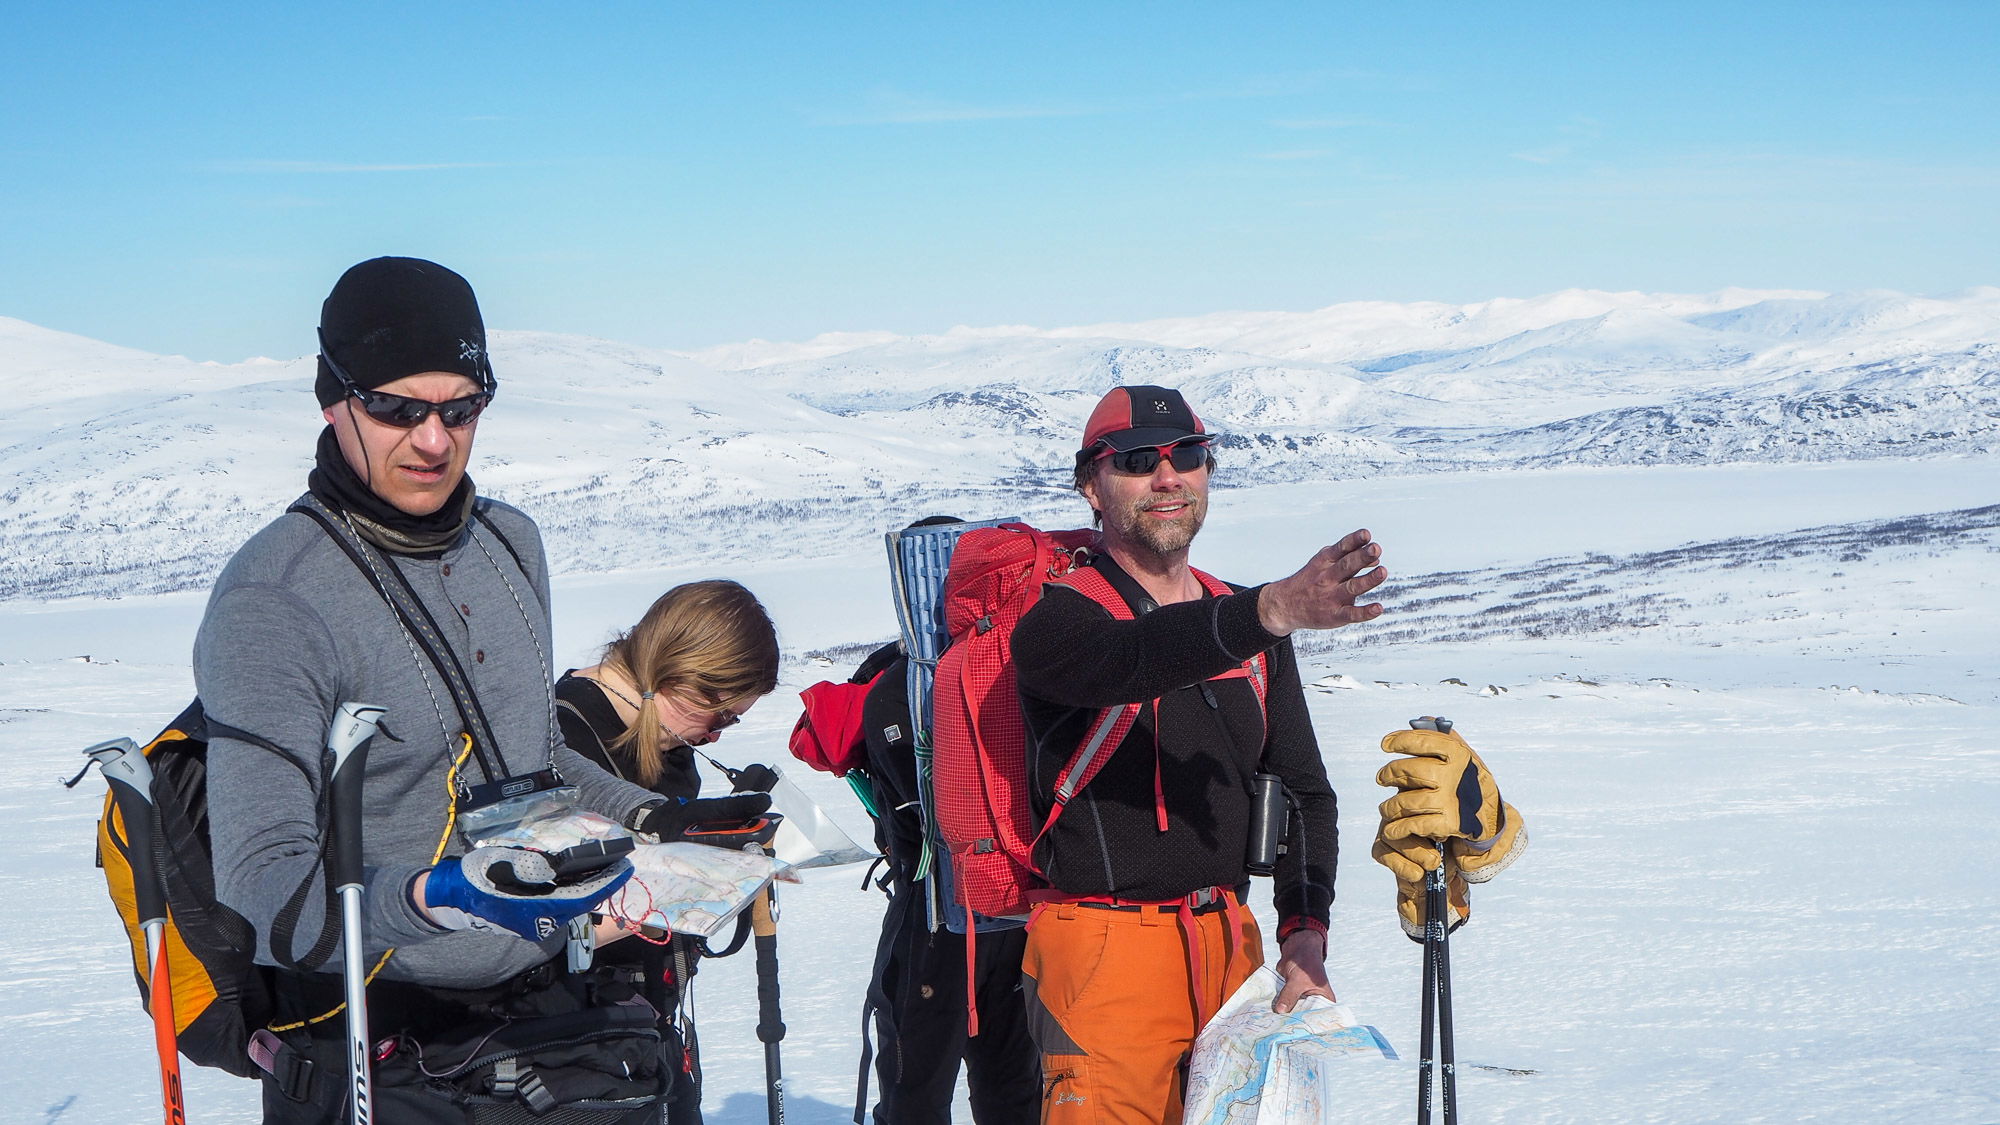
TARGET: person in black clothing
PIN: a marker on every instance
(702, 656)
(1143, 935)
(917, 993)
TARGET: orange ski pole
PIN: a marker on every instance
(131, 779)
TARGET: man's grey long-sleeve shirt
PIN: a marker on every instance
(292, 629)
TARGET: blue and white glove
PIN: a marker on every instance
(514, 889)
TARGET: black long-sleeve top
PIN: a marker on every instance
(1075, 659)
(590, 729)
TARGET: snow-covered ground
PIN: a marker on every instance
(1750, 713)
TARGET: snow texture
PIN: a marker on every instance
(1741, 686)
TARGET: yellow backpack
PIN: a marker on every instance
(220, 994)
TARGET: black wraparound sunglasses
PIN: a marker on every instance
(1185, 457)
(402, 411)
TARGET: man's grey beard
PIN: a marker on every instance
(1163, 538)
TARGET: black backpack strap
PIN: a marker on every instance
(479, 513)
(875, 998)
(604, 751)
(284, 928)
(422, 628)
(867, 1059)
(735, 940)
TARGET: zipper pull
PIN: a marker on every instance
(1208, 693)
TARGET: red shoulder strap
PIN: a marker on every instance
(1111, 724)
(1091, 583)
(1258, 667)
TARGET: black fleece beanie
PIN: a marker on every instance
(391, 317)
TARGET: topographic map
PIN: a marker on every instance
(1254, 1065)
(686, 888)
(689, 888)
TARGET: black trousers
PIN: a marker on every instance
(918, 1000)
(668, 972)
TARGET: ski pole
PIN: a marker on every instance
(130, 777)
(1426, 1058)
(770, 1022)
(1438, 909)
(347, 756)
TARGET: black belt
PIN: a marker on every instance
(1206, 901)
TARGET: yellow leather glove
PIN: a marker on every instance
(1445, 798)
(1444, 790)
(1411, 861)
(1480, 860)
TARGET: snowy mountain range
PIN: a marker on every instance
(127, 472)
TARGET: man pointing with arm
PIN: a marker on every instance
(1145, 936)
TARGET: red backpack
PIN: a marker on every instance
(980, 756)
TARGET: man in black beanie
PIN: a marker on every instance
(395, 332)
(393, 583)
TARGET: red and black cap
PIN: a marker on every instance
(1139, 417)
(391, 317)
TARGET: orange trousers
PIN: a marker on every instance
(1112, 1006)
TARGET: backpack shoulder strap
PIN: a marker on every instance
(603, 751)
(1258, 667)
(1112, 723)
(1091, 583)
(480, 512)
(196, 725)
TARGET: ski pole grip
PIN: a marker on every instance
(130, 777)
(347, 762)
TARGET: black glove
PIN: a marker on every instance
(757, 778)
(723, 821)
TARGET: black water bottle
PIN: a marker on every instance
(1267, 823)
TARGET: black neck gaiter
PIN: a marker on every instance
(334, 482)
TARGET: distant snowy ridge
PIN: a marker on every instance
(130, 473)
(1769, 600)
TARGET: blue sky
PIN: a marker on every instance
(191, 179)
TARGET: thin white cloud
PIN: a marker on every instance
(1334, 123)
(1577, 133)
(1299, 83)
(1548, 154)
(283, 202)
(894, 107)
(332, 167)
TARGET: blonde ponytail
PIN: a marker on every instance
(710, 642)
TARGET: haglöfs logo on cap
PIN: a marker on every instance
(1160, 406)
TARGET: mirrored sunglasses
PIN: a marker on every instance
(1185, 457)
(407, 413)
